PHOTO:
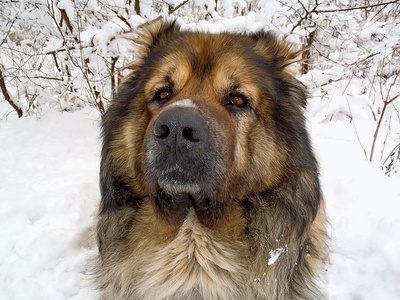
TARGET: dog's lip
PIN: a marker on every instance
(176, 187)
(176, 181)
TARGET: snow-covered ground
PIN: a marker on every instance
(49, 196)
(364, 209)
(49, 160)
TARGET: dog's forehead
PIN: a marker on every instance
(207, 52)
(219, 59)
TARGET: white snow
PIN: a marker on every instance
(49, 160)
(364, 209)
(48, 200)
(274, 255)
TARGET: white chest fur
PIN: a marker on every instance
(195, 265)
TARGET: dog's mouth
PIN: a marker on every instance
(179, 189)
(175, 197)
(178, 192)
(176, 181)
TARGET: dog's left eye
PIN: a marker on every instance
(237, 101)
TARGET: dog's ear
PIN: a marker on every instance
(114, 177)
(115, 192)
(279, 52)
(152, 35)
(281, 55)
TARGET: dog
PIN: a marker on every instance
(210, 187)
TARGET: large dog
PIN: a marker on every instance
(209, 184)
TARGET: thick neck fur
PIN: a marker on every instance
(194, 262)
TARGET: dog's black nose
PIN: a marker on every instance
(180, 130)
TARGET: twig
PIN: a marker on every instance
(306, 16)
(65, 17)
(7, 96)
(178, 7)
(137, 7)
(170, 12)
(112, 73)
(391, 154)
(386, 103)
(8, 32)
(355, 127)
(355, 8)
(119, 16)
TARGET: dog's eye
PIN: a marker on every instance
(163, 95)
(237, 101)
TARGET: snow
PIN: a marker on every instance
(49, 160)
(364, 209)
(48, 200)
(274, 255)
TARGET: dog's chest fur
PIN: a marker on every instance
(195, 265)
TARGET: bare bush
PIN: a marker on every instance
(352, 50)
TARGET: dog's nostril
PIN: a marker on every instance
(162, 132)
(189, 134)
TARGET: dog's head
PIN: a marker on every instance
(204, 119)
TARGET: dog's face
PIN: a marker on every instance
(207, 119)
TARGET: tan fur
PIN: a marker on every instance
(193, 262)
(262, 233)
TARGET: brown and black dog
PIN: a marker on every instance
(209, 184)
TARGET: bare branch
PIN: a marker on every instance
(112, 73)
(170, 12)
(306, 16)
(178, 7)
(137, 7)
(65, 17)
(386, 103)
(355, 8)
(7, 96)
(8, 32)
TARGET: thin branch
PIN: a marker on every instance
(355, 127)
(386, 103)
(8, 32)
(119, 16)
(7, 96)
(137, 7)
(306, 16)
(65, 17)
(355, 8)
(170, 12)
(112, 73)
(47, 78)
(391, 154)
(178, 7)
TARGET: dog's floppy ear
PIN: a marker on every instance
(154, 34)
(115, 192)
(279, 52)
(282, 55)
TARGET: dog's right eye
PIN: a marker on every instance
(237, 102)
(162, 95)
